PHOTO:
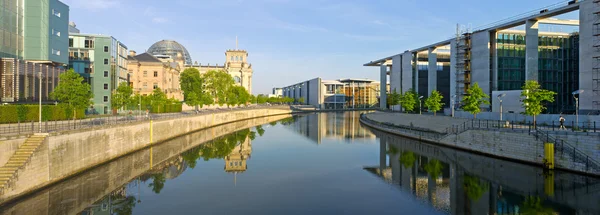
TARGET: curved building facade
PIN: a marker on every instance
(170, 48)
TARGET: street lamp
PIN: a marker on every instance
(452, 100)
(40, 114)
(500, 99)
(576, 96)
(420, 97)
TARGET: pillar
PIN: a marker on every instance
(531, 50)
(432, 71)
(395, 164)
(395, 74)
(382, 154)
(453, 54)
(407, 72)
(383, 85)
(587, 51)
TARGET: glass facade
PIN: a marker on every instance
(11, 29)
(558, 66)
(443, 76)
(171, 48)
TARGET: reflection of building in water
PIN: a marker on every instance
(115, 202)
(236, 160)
(338, 125)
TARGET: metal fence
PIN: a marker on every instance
(26, 128)
(562, 148)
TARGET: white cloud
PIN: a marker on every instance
(160, 20)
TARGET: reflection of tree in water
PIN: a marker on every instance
(533, 206)
(288, 121)
(260, 130)
(274, 123)
(474, 187)
(392, 150)
(434, 168)
(158, 182)
(125, 207)
(408, 159)
(117, 202)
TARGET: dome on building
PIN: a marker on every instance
(171, 48)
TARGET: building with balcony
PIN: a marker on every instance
(33, 48)
(102, 61)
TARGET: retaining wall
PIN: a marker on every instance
(65, 154)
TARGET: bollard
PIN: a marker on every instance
(150, 131)
(549, 155)
(549, 183)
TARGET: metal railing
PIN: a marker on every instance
(562, 147)
(26, 128)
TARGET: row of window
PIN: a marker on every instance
(146, 74)
(145, 85)
(237, 58)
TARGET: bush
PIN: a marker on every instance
(28, 113)
(166, 108)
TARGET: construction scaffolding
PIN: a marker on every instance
(596, 59)
(463, 63)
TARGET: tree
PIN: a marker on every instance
(121, 96)
(158, 98)
(393, 98)
(300, 100)
(474, 100)
(72, 92)
(238, 95)
(217, 85)
(434, 102)
(409, 100)
(192, 85)
(158, 182)
(534, 99)
(260, 130)
(261, 99)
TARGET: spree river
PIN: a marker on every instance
(325, 163)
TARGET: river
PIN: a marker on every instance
(325, 163)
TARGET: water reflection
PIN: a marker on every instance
(457, 182)
(333, 125)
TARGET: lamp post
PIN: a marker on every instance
(576, 96)
(500, 99)
(40, 99)
(452, 100)
(420, 97)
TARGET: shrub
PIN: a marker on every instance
(28, 113)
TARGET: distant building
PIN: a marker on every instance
(102, 61)
(147, 72)
(40, 46)
(335, 94)
(236, 63)
(277, 92)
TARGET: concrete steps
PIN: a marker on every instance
(19, 159)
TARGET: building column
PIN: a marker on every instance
(453, 54)
(494, 56)
(382, 87)
(382, 154)
(531, 50)
(395, 164)
(407, 72)
(432, 73)
(589, 100)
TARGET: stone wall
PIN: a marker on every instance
(66, 154)
(8, 148)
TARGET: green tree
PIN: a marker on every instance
(434, 102)
(434, 168)
(533, 206)
(409, 100)
(158, 98)
(121, 96)
(474, 187)
(238, 95)
(158, 182)
(217, 85)
(261, 99)
(408, 159)
(300, 100)
(192, 85)
(534, 99)
(474, 100)
(394, 98)
(72, 92)
(260, 130)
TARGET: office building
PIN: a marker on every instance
(102, 61)
(33, 48)
(500, 57)
(335, 94)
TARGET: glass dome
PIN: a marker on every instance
(171, 48)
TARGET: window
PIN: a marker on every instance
(105, 98)
(145, 73)
(71, 42)
(105, 48)
(87, 70)
(105, 73)
(237, 79)
(106, 86)
(145, 85)
(56, 13)
(89, 43)
(241, 58)
(231, 58)
(155, 86)
(155, 74)
(105, 61)
(56, 52)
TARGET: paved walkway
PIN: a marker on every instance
(435, 123)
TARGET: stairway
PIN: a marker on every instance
(18, 160)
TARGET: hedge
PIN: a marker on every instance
(10, 113)
(167, 108)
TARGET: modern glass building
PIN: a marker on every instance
(102, 61)
(558, 64)
(33, 48)
(170, 48)
(442, 75)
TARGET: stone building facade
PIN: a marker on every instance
(148, 72)
(236, 65)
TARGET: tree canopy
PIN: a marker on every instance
(434, 102)
(217, 85)
(122, 96)
(534, 98)
(475, 98)
(409, 100)
(72, 92)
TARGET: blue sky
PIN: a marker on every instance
(291, 40)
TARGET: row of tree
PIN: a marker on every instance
(212, 87)
(124, 98)
(533, 99)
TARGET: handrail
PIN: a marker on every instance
(577, 154)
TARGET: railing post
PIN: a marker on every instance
(594, 126)
(552, 125)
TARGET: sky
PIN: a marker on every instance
(290, 41)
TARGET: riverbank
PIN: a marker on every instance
(490, 138)
(68, 153)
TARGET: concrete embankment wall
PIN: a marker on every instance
(508, 145)
(68, 153)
